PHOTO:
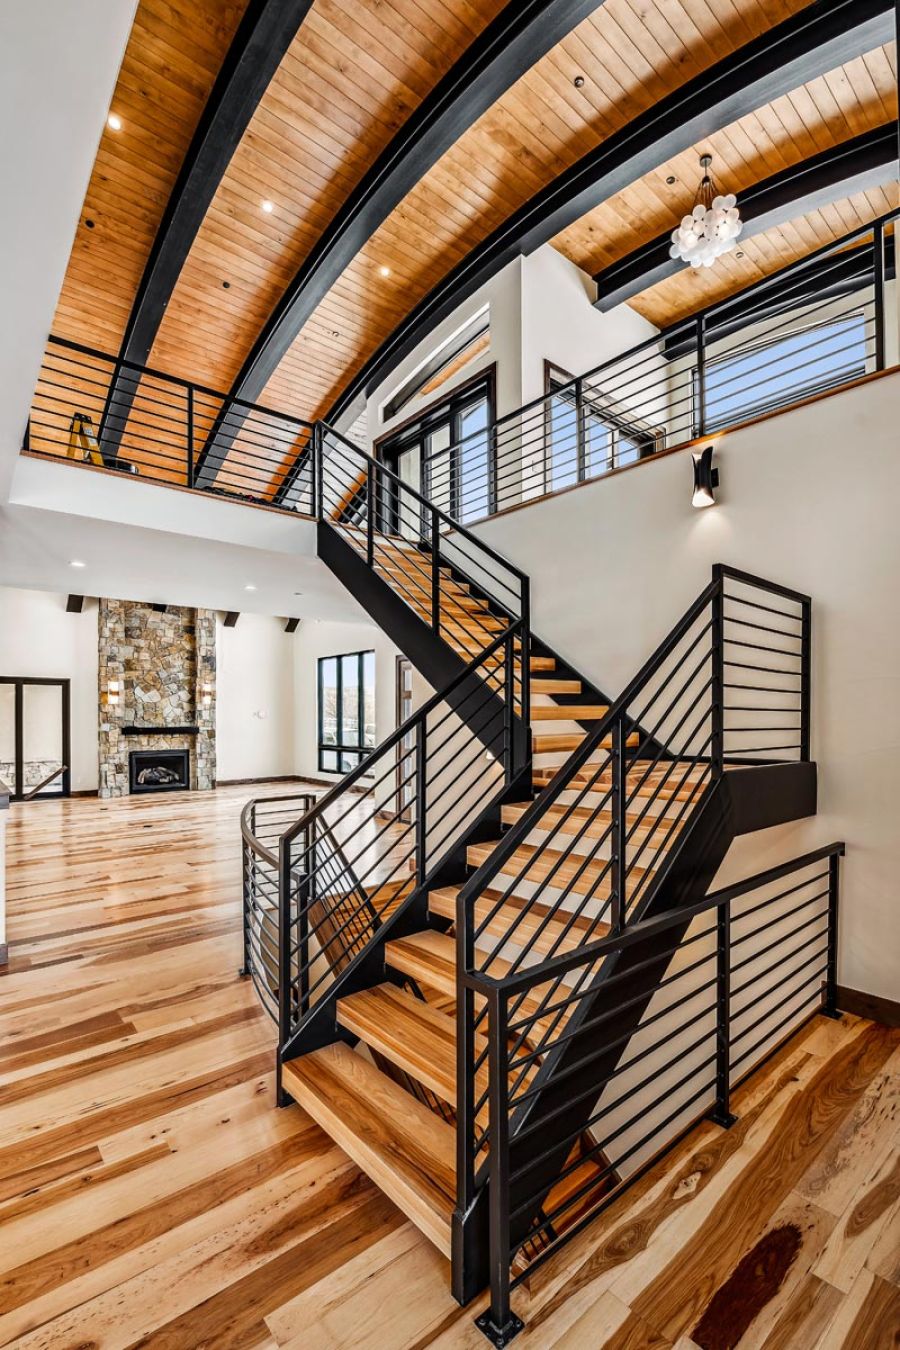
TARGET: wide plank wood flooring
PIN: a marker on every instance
(151, 1195)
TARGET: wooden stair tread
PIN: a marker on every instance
(586, 822)
(407, 1150)
(576, 873)
(430, 956)
(654, 785)
(536, 923)
(409, 1032)
(569, 712)
(547, 744)
(556, 685)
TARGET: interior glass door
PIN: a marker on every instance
(35, 760)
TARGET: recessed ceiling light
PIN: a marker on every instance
(739, 254)
(671, 179)
(268, 207)
(250, 587)
(578, 81)
(384, 271)
(226, 285)
(76, 562)
(298, 592)
(114, 122)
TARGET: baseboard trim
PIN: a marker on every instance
(85, 792)
(871, 1006)
(276, 778)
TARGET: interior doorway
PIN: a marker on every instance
(35, 737)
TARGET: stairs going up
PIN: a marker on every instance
(520, 820)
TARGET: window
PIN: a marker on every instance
(346, 710)
(470, 341)
(769, 374)
(446, 452)
(607, 440)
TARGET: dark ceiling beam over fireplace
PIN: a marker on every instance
(520, 35)
(816, 40)
(865, 162)
(263, 36)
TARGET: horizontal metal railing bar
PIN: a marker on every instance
(785, 956)
(404, 729)
(383, 470)
(816, 995)
(780, 895)
(771, 1012)
(174, 379)
(773, 923)
(643, 930)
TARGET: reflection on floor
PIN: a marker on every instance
(150, 1193)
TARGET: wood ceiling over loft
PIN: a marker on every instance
(347, 84)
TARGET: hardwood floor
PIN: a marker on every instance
(151, 1195)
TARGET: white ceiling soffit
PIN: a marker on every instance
(58, 69)
(126, 562)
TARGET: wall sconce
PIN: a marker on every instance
(206, 695)
(112, 691)
(705, 477)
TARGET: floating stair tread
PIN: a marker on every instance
(407, 1150)
(555, 686)
(411, 1033)
(671, 789)
(569, 712)
(534, 920)
(586, 822)
(575, 873)
(547, 744)
(430, 957)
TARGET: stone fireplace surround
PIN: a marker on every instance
(161, 665)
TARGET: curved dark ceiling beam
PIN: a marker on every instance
(865, 162)
(265, 32)
(819, 38)
(522, 32)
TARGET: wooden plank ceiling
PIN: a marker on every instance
(350, 79)
(630, 53)
(857, 97)
(173, 55)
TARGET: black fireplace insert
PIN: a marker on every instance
(159, 770)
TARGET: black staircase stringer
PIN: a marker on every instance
(741, 801)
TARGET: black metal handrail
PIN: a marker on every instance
(610, 818)
(809, 328)
(713, 1020)
(116, 415)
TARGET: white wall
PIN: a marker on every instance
(38, 637)
(808, 498)
(315, 639)
(560, 323)
(58, 67)
(254, 698)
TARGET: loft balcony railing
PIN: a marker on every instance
(811, 328)
(124, 418)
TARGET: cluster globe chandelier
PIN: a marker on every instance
(711, 229)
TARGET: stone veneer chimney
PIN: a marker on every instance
(164, 666)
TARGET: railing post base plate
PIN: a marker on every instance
(499, 1336)
(832, 1013)
(723, 1118)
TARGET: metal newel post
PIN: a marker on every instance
(435, 572)
(722, 1111)
(190, 436)
(879, 279)
(304, 901)
(717, 681)
(829, 1004)
(370, 513)
(284, 960)
(421, 804)
(580, 462)
(619, 840)
(499, 1323)
(805, 679)
(318, 457)
(248, 900)
(700, 410)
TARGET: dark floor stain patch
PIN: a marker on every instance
(754, 1281)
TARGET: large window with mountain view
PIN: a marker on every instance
(346, 710)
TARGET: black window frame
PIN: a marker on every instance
(559, 383)
(339, 748)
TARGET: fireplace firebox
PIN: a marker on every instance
(159, 770)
